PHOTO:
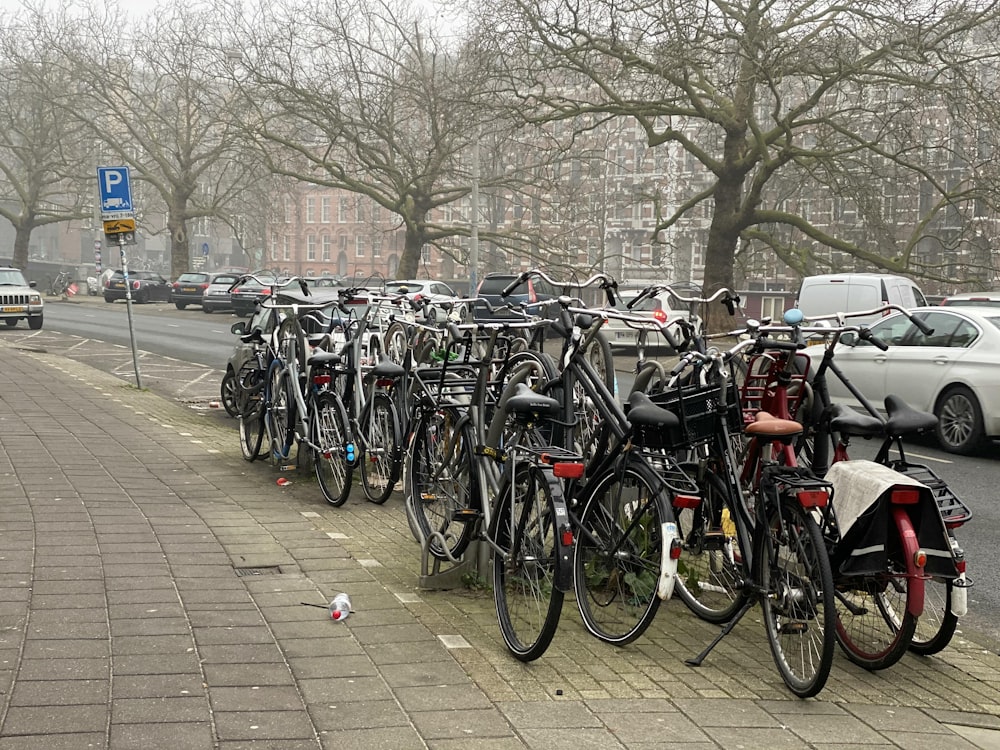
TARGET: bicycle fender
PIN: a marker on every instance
(668, 565)
(563, 532)
(914, 576)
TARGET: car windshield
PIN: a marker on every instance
(192, 278)
(12, 278)
(225, 280)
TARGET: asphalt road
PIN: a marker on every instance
(183, 355)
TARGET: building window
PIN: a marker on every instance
(342, 210)
(274, 247)
(310, 247)
(286, 253)
(342, 242)
(359, 208)
(325, 209)
(359, 247)
(376, 247)
(311, 210)
(327, 248)
(287, 207)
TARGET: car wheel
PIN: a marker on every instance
(228, 393)
(180, 305)
(108, 299)
(206, 309)
(35, 323)
(960, 420)
(11, 322)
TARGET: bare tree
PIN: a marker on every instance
(42, 153)
(365, 97)
(796, 97)
(156, 94)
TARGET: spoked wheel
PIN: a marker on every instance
(249, 396)
(279, 416)
(333, 457)
(524, 564)
(396, 342)
(937, 625)
(228, 393)
(873, 627)
(799, 613)
(381, 459)
(618, 552)
(710, 573)
(440, 486)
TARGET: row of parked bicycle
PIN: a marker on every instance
(725, 480)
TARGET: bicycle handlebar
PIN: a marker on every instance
(889, 307)
(607, 283)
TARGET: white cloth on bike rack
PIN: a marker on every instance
(861, 491)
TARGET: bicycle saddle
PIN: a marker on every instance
(642, 411)
(904, 419)
(850, 422)
(768, 427)
(386, 368)
(526, 401)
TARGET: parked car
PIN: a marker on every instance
(147, 286)
(620, 334)
(248, 293)
(425, 289)
(189, 289)
(216, 296)
(954, 372)
(853, 292)
(323, 282)
(972, 299)
(19, 299)
(528, 293)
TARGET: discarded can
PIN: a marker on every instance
(282, 482)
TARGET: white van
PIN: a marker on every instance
(851, 292)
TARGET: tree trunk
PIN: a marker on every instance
(409, 263)
(180, 247)
(720, 254)
(22, 239)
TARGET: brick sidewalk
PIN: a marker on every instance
(152, 587)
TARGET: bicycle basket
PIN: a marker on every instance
(697, 407)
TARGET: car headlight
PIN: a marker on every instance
(34, 299)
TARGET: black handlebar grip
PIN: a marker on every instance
(609, 290)
(304, 287)
(509, 289)
(866, 335)
(454, 331)
(731, 301)
(924, 328)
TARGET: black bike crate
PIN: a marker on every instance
(697, 407)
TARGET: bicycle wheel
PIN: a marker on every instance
(249, 398)
(619, 546)
(279, 414)
(333, 457)
(524, 564)
(793, 571)
(292, 344)
(874, 627)
(440, 483)
(710, 572)
(396, 342)
(381, 457)
(936, 626)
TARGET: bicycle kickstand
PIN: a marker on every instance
(726, 630)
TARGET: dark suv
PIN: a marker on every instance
(528, 293)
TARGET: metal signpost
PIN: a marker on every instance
(118, 217)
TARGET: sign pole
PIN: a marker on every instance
(128, 307)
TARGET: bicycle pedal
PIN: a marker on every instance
(287, 467)
(794, 628)
(465, 515)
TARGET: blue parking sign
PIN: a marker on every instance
(116, 192)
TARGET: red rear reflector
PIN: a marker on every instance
(383, 382)
(920, 558)
(813, 498)
(960, 566)
(568, 470)
(686, 501)
(905, 497)
(675, 549)
(321, 379)
(567, 537)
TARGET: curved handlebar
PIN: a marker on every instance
(606, 282)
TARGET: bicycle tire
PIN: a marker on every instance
(441, 487)
(937, 624)
(874, 626)
(251, 421)
(618, 552)
(278, 417)
(710, 573)
(525, 557)
(292, 344)
(381, 456)
(331, 456)
(396, 341)
(793, 571)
